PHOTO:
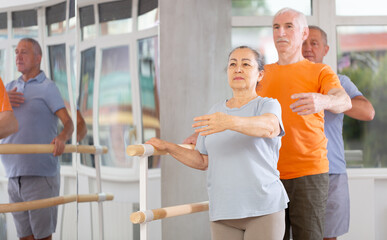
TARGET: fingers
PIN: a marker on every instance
(16, 98)
(59, 147)
(300, 95)
(202, 118)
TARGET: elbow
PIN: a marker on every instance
(203, 168)
(371, 114)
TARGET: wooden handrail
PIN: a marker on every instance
(46, 148)
(138, 150)
(50, 202)
(161, 213)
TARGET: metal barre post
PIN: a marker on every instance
(161, 213)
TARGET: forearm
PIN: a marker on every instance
(266, 125)
(81, 130)
(68, 129)
(189, 157)
(337, 101)
(8, 124)
(361, 109)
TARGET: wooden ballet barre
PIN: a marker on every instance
(138, 150)
(50, 202)
(48, 148)
(161, 213)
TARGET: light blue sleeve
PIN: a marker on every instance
(53, 98)
(349, 86)
(270, 105)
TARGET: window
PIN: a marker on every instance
(72, 20)
(56, 19)
(3, 26)
(115, 17)
(25, 24)
(116, 128)
(149, 91)
(362, 57)
(85, 101)
(147, 14)
(268, 8)
(259, 38)
(87, 22)
(358, 8)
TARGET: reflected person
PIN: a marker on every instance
(238, 145)
(37, 106)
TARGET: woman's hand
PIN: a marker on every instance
(212, 123)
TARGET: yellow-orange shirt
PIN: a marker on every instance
(303, 150)
(5, 105)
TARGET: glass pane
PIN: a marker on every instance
(115, 17)
(148, 20)
(359, 8)
(116, 129)
(3, 25)
(57, 58)
(2, 64)
(56, 19)
(24, 32)
(56, 28)
(259, 38)
(3, 33)
(116, 27)
(149, 90)
(362, 57)
(87, 22)
(268, 7)
(85, 103)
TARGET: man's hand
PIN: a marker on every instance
(212, 123)
(309, 103)
(16, 98)
(59, 146)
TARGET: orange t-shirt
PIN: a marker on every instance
(303, 150)
(5, 105)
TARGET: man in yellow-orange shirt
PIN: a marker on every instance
(304, 90)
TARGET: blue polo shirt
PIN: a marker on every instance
(333, 128)
(37, 125)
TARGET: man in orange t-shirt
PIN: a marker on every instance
(8, 122)
(304, 90)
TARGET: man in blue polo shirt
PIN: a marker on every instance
(337, 210)
(37, 106)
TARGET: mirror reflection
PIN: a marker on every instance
(100, 59)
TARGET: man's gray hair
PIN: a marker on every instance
(300, 16)
(35, 45)
(323, 33)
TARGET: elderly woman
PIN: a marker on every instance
(239, 144)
